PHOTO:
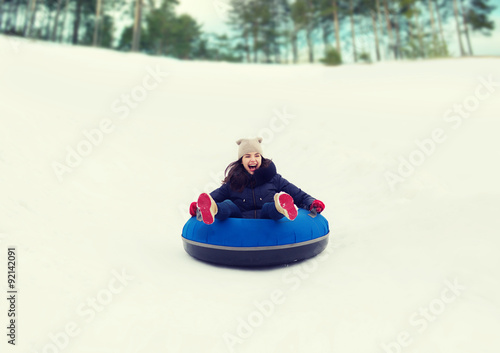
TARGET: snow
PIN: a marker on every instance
(412, 264)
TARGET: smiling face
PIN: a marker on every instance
(251, 161)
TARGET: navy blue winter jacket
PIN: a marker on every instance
(264, 183)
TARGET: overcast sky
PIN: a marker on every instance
(212, 14)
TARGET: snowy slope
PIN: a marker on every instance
(101, 153)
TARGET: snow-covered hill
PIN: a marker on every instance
(101, 153)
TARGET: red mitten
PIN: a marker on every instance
(192, 209)
(320, 206)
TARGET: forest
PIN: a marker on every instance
(260, 31)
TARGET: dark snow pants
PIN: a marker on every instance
(227, 209)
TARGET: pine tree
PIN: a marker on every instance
(304, 17)
(477, 16)
(239, 21)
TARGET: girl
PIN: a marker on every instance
(252, 189)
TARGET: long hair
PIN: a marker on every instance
(237, 176)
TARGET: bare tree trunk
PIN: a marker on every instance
(380, 21)
(309, 44)
(398, 39)
(267, 52)
(353, 31)
(466, 27)
(336, 24)
(26, 17)
(295, 51)
(97, 22)
(420, 36)
(76, 23)
(56, 21)
(411, 38)
(444, 46)
(159, 45)
(275, 47)
(1, 12)
(433, 27)
(389, 28)
(377, 9)
(32, 19)
(309, 29)
(15, 14)
(286, 43)
(63, 26)
(459, 34)
(7, 15)
(375, 34)
(324, 32)
(247, 45)
(136, 40)
(48, 17)
(255, 35)
(165, 43)
(277, 52)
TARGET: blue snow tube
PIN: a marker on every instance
(256, 242)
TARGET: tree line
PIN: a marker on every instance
(269, 31)
(276, 30)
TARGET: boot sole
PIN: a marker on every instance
(284, 204)
(208, 208)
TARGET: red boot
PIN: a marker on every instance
(284, 204)
(207, 207)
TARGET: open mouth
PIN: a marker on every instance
(252, 167)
